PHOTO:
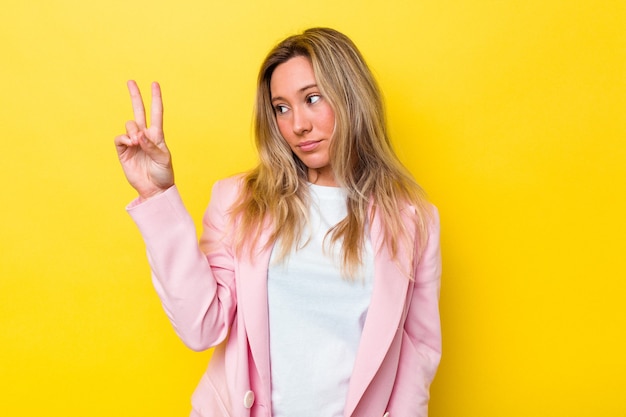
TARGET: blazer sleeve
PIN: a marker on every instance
(197, 289)
(421, 343)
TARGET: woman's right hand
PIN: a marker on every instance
(145, 159)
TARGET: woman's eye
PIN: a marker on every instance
(314, 98)
(280, 109)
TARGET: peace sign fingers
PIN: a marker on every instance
(140, 126)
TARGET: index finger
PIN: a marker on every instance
(137, 102)
(156, 110)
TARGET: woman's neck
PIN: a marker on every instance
(323, 176)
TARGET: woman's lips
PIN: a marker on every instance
(309, 145)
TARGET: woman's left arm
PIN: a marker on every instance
(421, 342)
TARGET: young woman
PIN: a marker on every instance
(317, 274)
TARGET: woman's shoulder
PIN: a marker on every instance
(425, 209)
(229, 188)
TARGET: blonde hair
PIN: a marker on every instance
(275, 194)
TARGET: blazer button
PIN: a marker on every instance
(248, 399)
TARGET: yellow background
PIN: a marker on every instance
(510, 113)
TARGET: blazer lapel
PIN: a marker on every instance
(252, 292)
(385, 313)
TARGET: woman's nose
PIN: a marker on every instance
(301, 122)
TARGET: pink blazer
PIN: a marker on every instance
(215, 298)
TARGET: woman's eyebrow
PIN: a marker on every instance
(301, 90)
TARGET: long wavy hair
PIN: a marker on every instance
(275, 194)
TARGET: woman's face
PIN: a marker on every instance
(305, 118)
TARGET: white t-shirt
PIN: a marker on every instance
(316, 317)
